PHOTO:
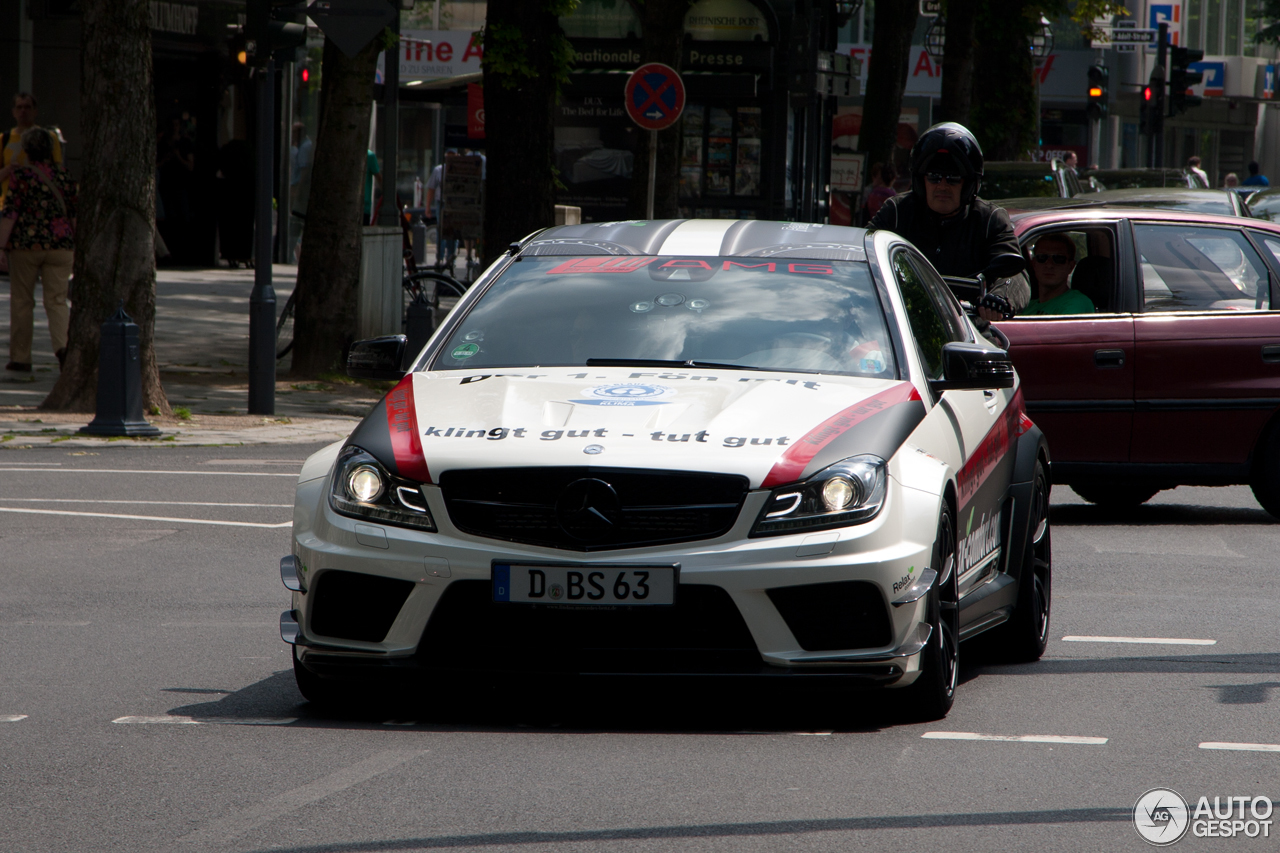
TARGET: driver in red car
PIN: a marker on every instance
(1052, 260)
(960, 234)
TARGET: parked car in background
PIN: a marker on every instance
(1175, 378)
(1097, 180)
(1224, 202)
(1265, 204)
(1008, 179)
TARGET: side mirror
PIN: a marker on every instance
(377, 358)
(971, 367)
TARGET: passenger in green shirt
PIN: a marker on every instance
(1052, 261)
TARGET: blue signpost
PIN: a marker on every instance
(654, 98)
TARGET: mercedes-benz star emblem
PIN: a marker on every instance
(588, 509)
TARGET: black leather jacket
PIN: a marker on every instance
(979, 239)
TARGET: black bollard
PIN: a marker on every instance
(120, 380)
(420, 324)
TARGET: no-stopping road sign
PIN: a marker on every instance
(654, 96)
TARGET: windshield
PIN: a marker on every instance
(748, 313)
(1137, 179)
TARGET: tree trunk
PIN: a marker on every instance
(1005, 102)
(115, 244)
(329, 261)
(957, 61)
(523, 47)
(895, 23)
(663, 42)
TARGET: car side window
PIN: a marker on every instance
(1200, 269)
(931, 325)
(1272, 244)
(1092, 261)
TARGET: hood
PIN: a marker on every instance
(771, 427)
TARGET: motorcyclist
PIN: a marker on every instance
(960, 234)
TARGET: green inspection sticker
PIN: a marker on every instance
(465, 351)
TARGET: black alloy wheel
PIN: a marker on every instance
(933, 693)
(1026, 635)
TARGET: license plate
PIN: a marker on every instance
(612, 586)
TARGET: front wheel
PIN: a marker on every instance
(1266, 478)
(1026, 635)
(932, 694)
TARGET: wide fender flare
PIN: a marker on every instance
(926, 481)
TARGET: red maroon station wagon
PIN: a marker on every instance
(1174, 379)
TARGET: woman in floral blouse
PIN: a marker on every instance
(37, 227)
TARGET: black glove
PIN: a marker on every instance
(996, 303)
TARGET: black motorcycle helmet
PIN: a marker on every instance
(949, 148)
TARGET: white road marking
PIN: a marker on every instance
(1090, 741)
(1243, 747)
(7, 467)
(1154, 641)
(297, 462)
(44, 623)
(153, 503)
(178, 720)
(147, 517)
(213, 624)
(217, 833)
(12, 718)
(32, 463)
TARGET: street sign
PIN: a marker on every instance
(931, 7)
(1133, 35)
(654, 96)
(352, 24)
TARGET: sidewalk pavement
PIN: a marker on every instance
(202, 346)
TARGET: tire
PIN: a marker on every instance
(1266, 478)
(1117, 496)
(1024, 637)
(932, 694)
(284, 328)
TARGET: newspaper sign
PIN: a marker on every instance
(846, 171)
(463, 190)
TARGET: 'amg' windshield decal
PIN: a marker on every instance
(402, 424)
(791, 465)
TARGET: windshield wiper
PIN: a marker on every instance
(672, 362)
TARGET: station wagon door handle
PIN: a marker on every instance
(1112, 358)
(1271, 353)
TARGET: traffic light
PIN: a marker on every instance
(1152, 107)
(271, 29)
(1098, 93)
(1181, 79)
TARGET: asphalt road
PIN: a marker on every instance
(147, 702)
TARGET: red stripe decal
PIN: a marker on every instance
(994, 447)
(791, 465)
(402, 423)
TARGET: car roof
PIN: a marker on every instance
(1136, 194)
(705, 237)
(1031, 219)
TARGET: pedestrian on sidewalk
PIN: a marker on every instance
(24, 115)
(37, 228)
(1193, 166)
(1256, 178)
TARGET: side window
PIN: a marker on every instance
(1200, 269)
(1272, 244)
(929, 325)
(943, 299)
(1073, 272)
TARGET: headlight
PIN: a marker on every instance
(848, 492)
(362, 488)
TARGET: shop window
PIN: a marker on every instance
(726, 20)
(602, 19)
(720, 156)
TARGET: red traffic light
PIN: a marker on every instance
(306, 74)
(1146, 93)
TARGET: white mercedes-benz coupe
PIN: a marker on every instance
(680, 447)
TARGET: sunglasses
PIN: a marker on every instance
(950, 180)
(1044, 258)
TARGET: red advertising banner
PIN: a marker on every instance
(475, 111)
